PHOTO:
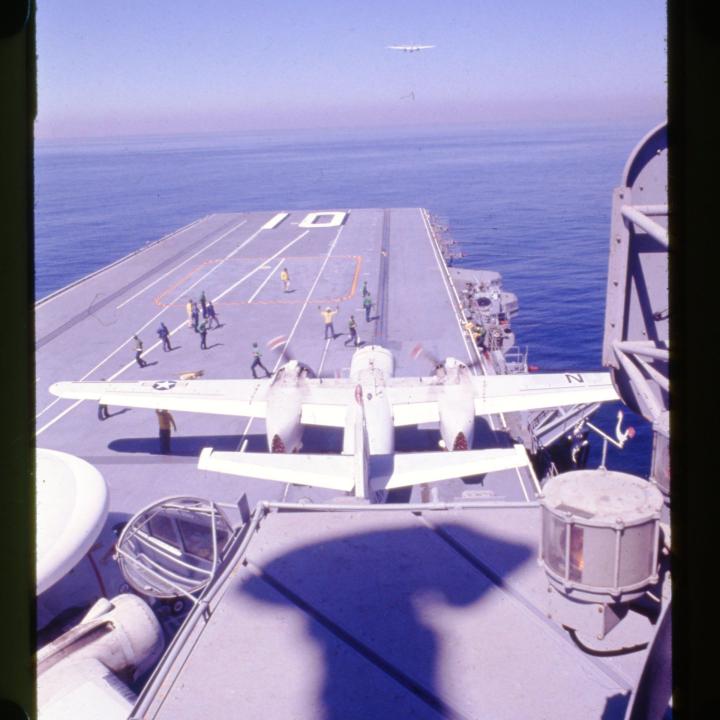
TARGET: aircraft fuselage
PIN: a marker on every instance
(369, 369)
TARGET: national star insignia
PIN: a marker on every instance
(164, 385)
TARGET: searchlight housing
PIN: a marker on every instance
(600, 546)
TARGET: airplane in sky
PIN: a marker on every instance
(368, 406)
(410, 48)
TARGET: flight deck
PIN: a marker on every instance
(85, 331)
(327, 607)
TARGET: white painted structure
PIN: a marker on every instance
(72, 504)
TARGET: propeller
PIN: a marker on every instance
(420, 352)
(280, 346)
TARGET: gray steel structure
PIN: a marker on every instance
(637, 317)
(427, 611)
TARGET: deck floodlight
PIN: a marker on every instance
(599, 546)
(173, 547)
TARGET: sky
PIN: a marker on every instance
(133, 67)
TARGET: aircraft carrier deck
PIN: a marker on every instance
(85, 332)
(377, 611)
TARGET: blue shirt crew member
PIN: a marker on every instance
(203, 304)
(211, 315)
(202, 329)
(164, 334)
(257, 362)
(367, 304)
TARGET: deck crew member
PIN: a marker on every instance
(352, 327)
(479, 333)
(496, 338)
(164, 334)
(257, 362)
(211, 315)
(165, 420)
(328, 315)
(189, 308)
(138, 351)
(202, 329)
(365, 291)
(285, 277)
(468, 294)
(203, 304)
(367, 304)
(103, 413)
(195, 316)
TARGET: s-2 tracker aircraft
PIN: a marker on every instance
(409, 48)
(368, 405)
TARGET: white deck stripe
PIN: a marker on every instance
(492, 424)
(154, 318)
(267, 279)
(274, 221)
(179, 265)
(312, 289)
(259, 267)
(324, 355)
(441, 268)
(55, 294)
(303, 307)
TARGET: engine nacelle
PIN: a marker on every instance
(284, 409)
(456, 405)
(457, 418)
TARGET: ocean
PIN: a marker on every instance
(530, 202)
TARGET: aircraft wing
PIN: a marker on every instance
(415, 400)
(325, 402)
(513, 393)
(242, 398)
(326, 471)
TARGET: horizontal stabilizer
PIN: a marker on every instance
(407, 469)
(326, 471)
